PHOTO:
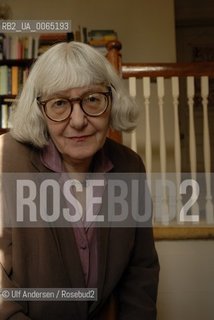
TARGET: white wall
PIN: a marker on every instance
(186, 289)
(145, 28)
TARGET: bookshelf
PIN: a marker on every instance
(13, 74)
(17, 53)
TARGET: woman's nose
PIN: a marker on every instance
(78, 118)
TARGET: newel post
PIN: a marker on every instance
(114, 54)
(114, 57)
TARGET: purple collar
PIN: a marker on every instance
(52, 160)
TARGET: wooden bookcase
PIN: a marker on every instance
(7, 95)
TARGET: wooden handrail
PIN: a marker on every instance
(167, 70)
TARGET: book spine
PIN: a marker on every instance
(1, 47)
(9, 80)
(3, 80)
(15, 77)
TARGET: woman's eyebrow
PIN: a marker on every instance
(67, 94)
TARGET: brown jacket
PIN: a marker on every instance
(48, 257)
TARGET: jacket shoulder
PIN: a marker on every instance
(14, 155)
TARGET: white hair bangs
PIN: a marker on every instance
(71, 70)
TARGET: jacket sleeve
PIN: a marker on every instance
(137, 291)
(8, 309)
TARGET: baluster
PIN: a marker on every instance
(192, 140)
(207, 157)
(177, 150)
(132, 91)
(148, 144)
(165, 209)
(160, 87)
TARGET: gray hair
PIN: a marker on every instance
(65, 66)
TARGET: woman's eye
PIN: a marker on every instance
(93, 99)
(59, 103)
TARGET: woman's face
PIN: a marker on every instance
(80, 136)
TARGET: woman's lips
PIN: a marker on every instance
(80, 138)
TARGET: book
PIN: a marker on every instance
(3, 79)
(15, 48)
(14, 79)
(35, 47)
(9, 81)
(99, 39)
(1, 46)
(6, 47)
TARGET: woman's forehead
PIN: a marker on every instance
(77, 91)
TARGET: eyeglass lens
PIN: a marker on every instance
(92, 104)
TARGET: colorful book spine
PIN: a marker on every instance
(25, 47)
(15, 80)
(9, 81)
(3, 79)
(12, 79)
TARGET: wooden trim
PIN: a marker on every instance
(190, 23)
(17, 62)
(183, 233)
(2, 131)
(167, 70)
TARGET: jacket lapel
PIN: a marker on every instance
(36, 161)
(65, 242)
(68, 253)
(102, 241)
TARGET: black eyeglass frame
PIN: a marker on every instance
(80, 100)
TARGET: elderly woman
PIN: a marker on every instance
(70, 100)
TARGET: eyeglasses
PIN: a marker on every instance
(92, 104)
